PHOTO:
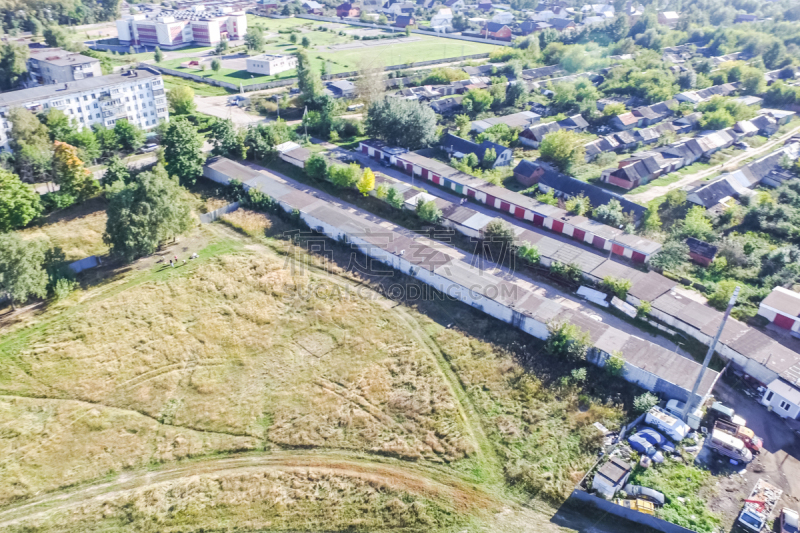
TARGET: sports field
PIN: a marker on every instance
(335, 49)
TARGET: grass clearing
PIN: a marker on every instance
(77, 230)
(200, 89)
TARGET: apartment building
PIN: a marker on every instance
(270, 64)
(54, 65)
(137, 95)
(171, 30)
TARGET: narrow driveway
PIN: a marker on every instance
(729, 165)
(217, 106)
(545, 291)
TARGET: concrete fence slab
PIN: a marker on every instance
(205, 218)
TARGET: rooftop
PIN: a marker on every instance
(784, 300)
(17, 98)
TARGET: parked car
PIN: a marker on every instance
(147, 148)
(720, 411)
(640, 505)
(729, 446)
(675, 408)
(354, 107)
(744, 434)
(789, 520)
(644, 447)
(644, 493)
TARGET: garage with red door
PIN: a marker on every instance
(784, 321)
(617, 249)
(364, 149)
(505, 206)
(578, 234)
(538, 219)
(599, 242)
(638, 257)
(519, 212)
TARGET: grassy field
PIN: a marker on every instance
(419, 48)
(257, 350)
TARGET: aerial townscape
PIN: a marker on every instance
(447, 266)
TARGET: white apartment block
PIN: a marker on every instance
(177, 29)
(54, 65)
(137, 95)
(270, 64)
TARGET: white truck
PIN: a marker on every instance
(759, 505)
(672, 426)
(676, 407)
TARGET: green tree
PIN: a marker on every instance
(610, 213)
(56, 37)
(158, 55)
(116, 171)
(34, 162)
(19, 202)
(70, 173)
(563, 148)
(578, 205)
(216, 64)
(617, 286)
(59, 125)
(463, 125)
(86, 143)
(345, 177)
(21, 271)
(254, 38)
(221, 48)
(107, 140)
(477, 101)
(26, 129)
(427, 211)
(568, 341)
(645, 402)
(316, 167)
(367, 182)
(405, 123)
(129, 136)
(306, 42)
(516, 94)
(308, 79)
(717, 120)
(753, 81)
(260, 140)
(394, 198)
(697, 224)
(672, 255)
(615, 364)
(612, 110)
(651, 221)
(228, 142)
(13, 65)
(145, 213)
(382, 19)
(183, 150)
(499, 236)
(181, 100)
(293, 38)
(722, 293)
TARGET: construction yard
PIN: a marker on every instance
(256, 385)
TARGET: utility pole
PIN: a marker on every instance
(691, 400)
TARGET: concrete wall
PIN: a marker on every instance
(205, 218)
(580, 497)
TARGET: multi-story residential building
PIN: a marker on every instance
(54, 65)
(177, 29)
(137, 95)
(270, 64)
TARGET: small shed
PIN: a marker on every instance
(611, 477)
(297, 156)
(701, 252)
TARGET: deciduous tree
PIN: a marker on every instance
(21, 272)
(145, 213)
(227, 140)
(367, 182)
(116, 171)
(129, 136)
(370, 84)
(183, 150)
(563, 148)
(19, 202)
(70, 172)
(254, 38)
(405, 123)
(181, 100)
(13, 65)
(158, 55)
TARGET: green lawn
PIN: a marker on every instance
(335, 61)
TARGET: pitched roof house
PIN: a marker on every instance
(496, 30)
(404, 20)
(533, 135)
(458, 148)
(701, 252)
(348, 10)
(519, 120)
(561, 24)
(447, 106)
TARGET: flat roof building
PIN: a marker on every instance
(54, 65)
(177, 29)
(270, 64)
(136, 95)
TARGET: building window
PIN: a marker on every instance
(769, 396)
(85, 98)
(127, 99)
(94, 97)
(79, 109)
(97, 115)
(95, 105)
(785, 405)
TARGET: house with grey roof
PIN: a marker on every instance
(457, 147)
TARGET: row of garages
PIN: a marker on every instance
(524, 208)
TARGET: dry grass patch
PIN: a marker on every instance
(248, 222)
(78, 230)
(44, 443)
(264, 499)
(242, 346)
